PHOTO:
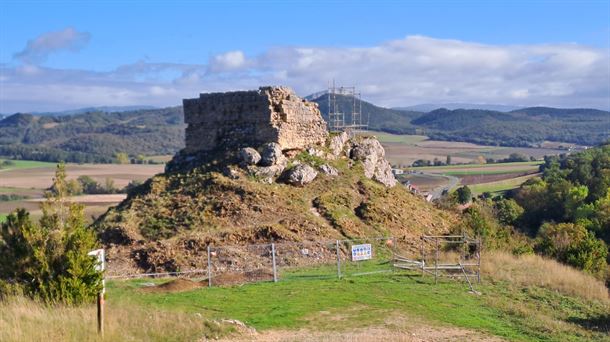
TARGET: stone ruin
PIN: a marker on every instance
(262, 127)
(251, 118)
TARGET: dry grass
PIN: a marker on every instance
(22, 319)
(534, 270)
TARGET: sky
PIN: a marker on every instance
(59, 55)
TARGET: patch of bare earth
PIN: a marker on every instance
(394, 329)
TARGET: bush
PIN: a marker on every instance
(48, 259)
(508, 211)
(572, 244)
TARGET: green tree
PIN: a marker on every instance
(508, 211)
(48, 259)
(448, 160)
(464, 195)
(122, 158)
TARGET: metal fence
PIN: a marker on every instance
(288, 261)
(439, 256)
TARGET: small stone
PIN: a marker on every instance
(315, 152)
(329, 170)
(301, 174)
(249, 156)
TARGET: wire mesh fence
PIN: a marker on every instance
(289, 261)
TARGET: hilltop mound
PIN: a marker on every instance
(169, 221)
(259, 166)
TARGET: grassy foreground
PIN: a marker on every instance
(527, 299)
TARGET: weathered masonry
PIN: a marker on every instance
(251, 118)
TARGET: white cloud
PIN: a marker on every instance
(228, 61)
(38, 49)
(407, 71)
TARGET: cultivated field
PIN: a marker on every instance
(405, 149)
(31, 178)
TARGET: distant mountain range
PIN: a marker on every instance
(428, 107)
(97, 134)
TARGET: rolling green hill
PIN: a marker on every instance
(523, 127)
(97, 136)
(92, 136)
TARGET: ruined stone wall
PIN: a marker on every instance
(251, 118)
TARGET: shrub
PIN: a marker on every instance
(572, 244)
(48, 259)
(464, 195)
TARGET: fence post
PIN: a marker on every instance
(423, 256)
(338, 260)
(436, 263)
(100, 313)
(209, 268)
(479, 261)
(273, 259)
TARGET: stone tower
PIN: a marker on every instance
(251, 118)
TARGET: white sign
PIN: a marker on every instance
(362, 252)
(101, 264)
(101, 260)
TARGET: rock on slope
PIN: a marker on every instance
(344, 189)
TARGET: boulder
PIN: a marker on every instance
(372, 155)
(271, 154)
(328, 170)
(383, 174)
(301, 174)
(266, 174)
(337, 143)
(248, 156)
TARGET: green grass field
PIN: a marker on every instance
(24, 164)
(499, 186)
(514, 313)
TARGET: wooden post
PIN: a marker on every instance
(423, 257)
(100, 313)
(209, 268)
(338, 260)
(479, 261)
(273, 260)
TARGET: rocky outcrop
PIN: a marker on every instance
(337, 143)
(372, 155)
(301, 174)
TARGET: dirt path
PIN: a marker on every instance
(395, 328)
(419, 334)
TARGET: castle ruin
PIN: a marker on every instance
(252, 118)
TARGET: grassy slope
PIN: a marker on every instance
(510, 311)
(205, 207)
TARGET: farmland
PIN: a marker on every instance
(31, 178)
(403, 150)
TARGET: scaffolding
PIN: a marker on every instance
(345, 110)
(453, 256)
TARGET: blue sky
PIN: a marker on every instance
(69, 54)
